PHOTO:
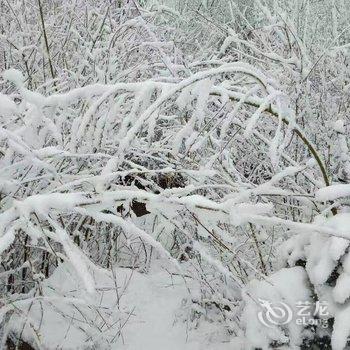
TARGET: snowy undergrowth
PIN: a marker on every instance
(165, 177)
(129, 310)
(325, 260)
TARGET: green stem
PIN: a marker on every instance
(301, 136)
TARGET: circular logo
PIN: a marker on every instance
(274, 314)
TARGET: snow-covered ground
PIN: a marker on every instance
(131, 311)
(200, 148)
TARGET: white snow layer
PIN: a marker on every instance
(333, 192)
(288, 286)
(134, 311)
(328, 269)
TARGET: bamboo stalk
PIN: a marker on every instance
(46, 39)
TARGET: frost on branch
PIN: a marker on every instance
(200, 145)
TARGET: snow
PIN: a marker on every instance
(130, 310)
(323, 255)
(164, 170)
(341, 329)
(241, 213)
(340, 223)
(7, 106)
(333, 192)
(275, 289)
(341, 290)
(337, 247)
(339, 126)
(226, 68)
(14, 76)
(255, 117)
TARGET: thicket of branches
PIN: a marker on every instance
(198, 134)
